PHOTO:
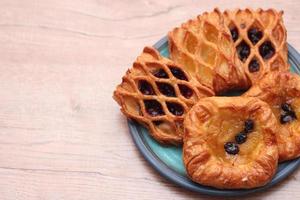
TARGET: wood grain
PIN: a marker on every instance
(61, 134)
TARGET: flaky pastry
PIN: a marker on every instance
(260, 40)
(229, 142)
(158, 93)
(282, 92)
(203, 47)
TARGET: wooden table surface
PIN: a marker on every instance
(61, 134)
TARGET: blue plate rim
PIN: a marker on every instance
(173, 176)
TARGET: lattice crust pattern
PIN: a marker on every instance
(203, 46)
(158, 93)
(260, 40)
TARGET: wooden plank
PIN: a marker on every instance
(61, 134)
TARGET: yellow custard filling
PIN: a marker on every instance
(223, 129)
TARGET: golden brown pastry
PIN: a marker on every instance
(282, 92)
(229, 142)
(158, 93)
(260, 39)
(204, 48)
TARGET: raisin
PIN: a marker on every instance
(185, 91)
(145, 87)
(231, 148)
(160, 74)
(249, 125)
(253, 66)
(286, 107)
(153, 107)
(286, 118)
(178, 73)
(254, 35)
(243, 51)
(288, 113)
(234, 33)
(166, 89)
(175, 108)
(241, 138)
(266, 50)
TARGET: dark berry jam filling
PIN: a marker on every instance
(185, 91)
(253, 66)
(234, 33)
(243, 51)
(254, 35)
(166, 89)
(266, 50)
(178, 73)
(175, 108)
(145, 87)
(160, 73)
(231, 148)
(153, 107)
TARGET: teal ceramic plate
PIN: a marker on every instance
(167, 160)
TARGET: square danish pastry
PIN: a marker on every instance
(229, 142)
(282, 92)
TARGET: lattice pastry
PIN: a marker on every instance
(203, 46)
(158, 93)
(229, 142)
(282, 92)
(260, 40)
